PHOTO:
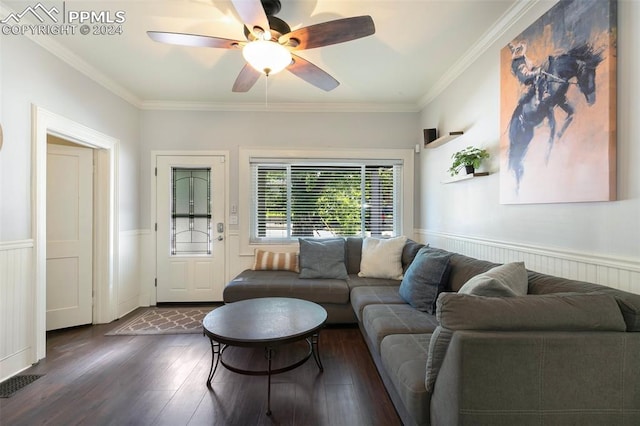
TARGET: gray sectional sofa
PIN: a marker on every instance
(567, 353)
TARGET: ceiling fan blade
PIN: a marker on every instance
(331, 32)
(252, 14)
(193, 40)
(312, 74)
(246, 79)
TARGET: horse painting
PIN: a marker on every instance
(557, 141)
(577, 67)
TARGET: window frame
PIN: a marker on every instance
(246, 155)
(291, 166)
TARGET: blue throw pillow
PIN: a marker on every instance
(322, 258)
(425, 279)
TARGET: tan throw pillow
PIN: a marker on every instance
(382, 258)
(273, 261)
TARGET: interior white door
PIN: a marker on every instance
(190, 243)
(69, 236)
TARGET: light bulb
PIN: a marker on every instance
(267, 57)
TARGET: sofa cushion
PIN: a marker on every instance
(463, 268)
(559, 312)
(355, 281)
(251, 284)
(562, 312)
(382, 257)
(363, 296)
(275, 261)
(353, 255)
(438, 346)
(404, 358)
(425, 278)
(379, 321)
(629, 303)
(539, 378)
(505, 280)
(409, 252)
(322, 258)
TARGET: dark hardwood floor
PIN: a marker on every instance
(93, 379)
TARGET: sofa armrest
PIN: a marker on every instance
(536, 377)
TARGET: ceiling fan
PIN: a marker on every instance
(270, 43)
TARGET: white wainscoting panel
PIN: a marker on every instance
(238, 261)
(147, 268)
(17, 350)
(129, 287)
(623, 274)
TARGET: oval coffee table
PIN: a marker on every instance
(267, 323)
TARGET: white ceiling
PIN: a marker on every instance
(417, 47)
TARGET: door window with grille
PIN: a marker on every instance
(190, 211)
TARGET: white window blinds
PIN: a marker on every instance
(324, 198)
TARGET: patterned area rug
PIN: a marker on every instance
(15, 383)
(164, 321)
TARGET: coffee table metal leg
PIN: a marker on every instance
(215, 359)
(269, 354)
(315, 339)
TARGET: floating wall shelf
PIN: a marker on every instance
(444, 139)
(466, 177)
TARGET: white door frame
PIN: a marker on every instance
(154, 156)
(106, 218)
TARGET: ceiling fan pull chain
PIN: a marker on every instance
(266, 92)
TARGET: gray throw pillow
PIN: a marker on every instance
(322, 258)
(506, 280)
(425, 279)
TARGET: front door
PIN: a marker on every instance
(190, 244)
(69, 236)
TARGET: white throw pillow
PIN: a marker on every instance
(510, 279)
(382, 258)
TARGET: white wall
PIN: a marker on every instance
(228, 131)
(470, 210)
(30, 75)
(212, 130)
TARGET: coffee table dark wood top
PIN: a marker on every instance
(268, 321)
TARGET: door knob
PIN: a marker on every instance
(220, 238)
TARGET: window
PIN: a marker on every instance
(190, 211)
(323, 198)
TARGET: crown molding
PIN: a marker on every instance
(85, 68)
(276, 107)
(48, 43)
(511, 16)
(77, 63)
(504, 23)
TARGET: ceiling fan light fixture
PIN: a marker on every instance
(267, 57)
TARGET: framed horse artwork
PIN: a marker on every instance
(558, 107)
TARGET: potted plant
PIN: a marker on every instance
(470, 158)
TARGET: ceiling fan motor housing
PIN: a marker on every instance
(271, 7)
(277, 27)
